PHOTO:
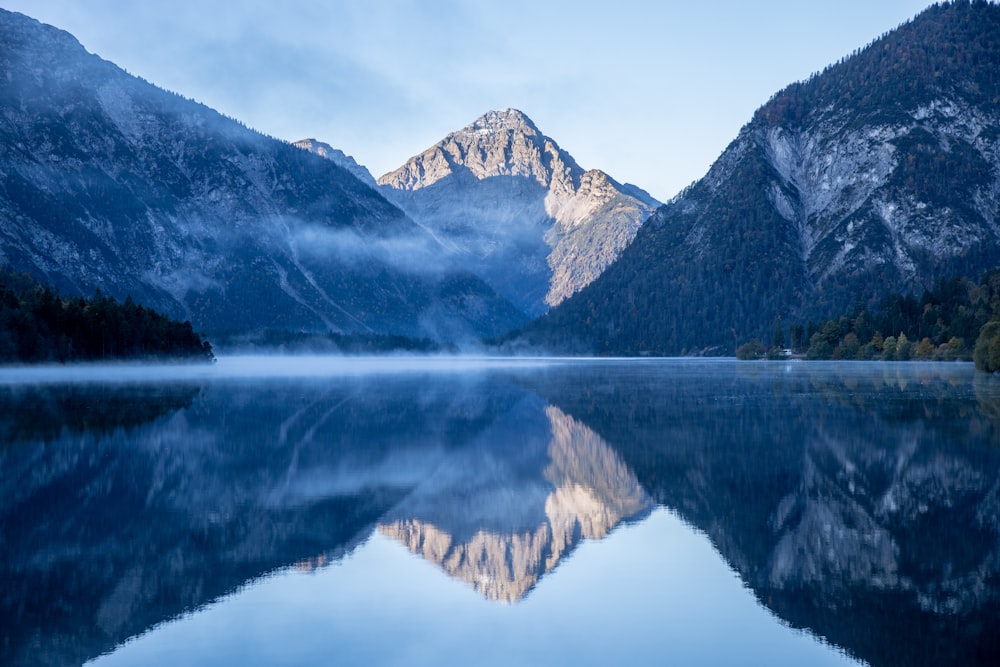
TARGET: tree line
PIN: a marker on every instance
(311, 342)
(957, 320)
(38, 325)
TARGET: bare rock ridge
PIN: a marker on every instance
(339, 158)
(499, 143)
(517, 210)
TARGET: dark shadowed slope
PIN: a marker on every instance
(881, 173)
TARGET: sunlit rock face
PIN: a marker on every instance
(587, 492)
(516, 209)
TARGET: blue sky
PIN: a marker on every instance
(650, 92)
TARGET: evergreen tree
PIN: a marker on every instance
(37, 325)
(987, 352)
(778, 337)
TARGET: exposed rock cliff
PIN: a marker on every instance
(517, 209)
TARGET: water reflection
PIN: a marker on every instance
(859, 502)
(506, 510)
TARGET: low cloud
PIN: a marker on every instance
(417, 253)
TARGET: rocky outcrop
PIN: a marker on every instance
(851, 193)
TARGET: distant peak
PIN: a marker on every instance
(501, 120)
(338, 157)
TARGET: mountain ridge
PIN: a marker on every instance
(339, 158)
(109, 182)
(880, 173)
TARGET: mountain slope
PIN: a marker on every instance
(108, 182)
(881, 173)
(517, 210)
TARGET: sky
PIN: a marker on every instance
(650, 91)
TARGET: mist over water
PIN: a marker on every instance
(264, 366)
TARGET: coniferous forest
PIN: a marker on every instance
(37, 325)
(956, 320)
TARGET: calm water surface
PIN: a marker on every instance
(485, 511)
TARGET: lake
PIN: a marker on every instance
(500, 511)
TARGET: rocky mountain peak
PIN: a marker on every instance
(503, 120)
(24, 33)
(498, 143)
(518, 210)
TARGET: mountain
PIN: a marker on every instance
(518, 210)
(109, 182)
(881, 173)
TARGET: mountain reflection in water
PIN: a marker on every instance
(859, 502)
(501, 527)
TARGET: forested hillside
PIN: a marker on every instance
(942, 324)
(36, 324)
(879, 175)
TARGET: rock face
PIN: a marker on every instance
(517, 210)
(881, 173)
(339, 158)
(108, 182)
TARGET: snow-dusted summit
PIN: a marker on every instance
(517, 210)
